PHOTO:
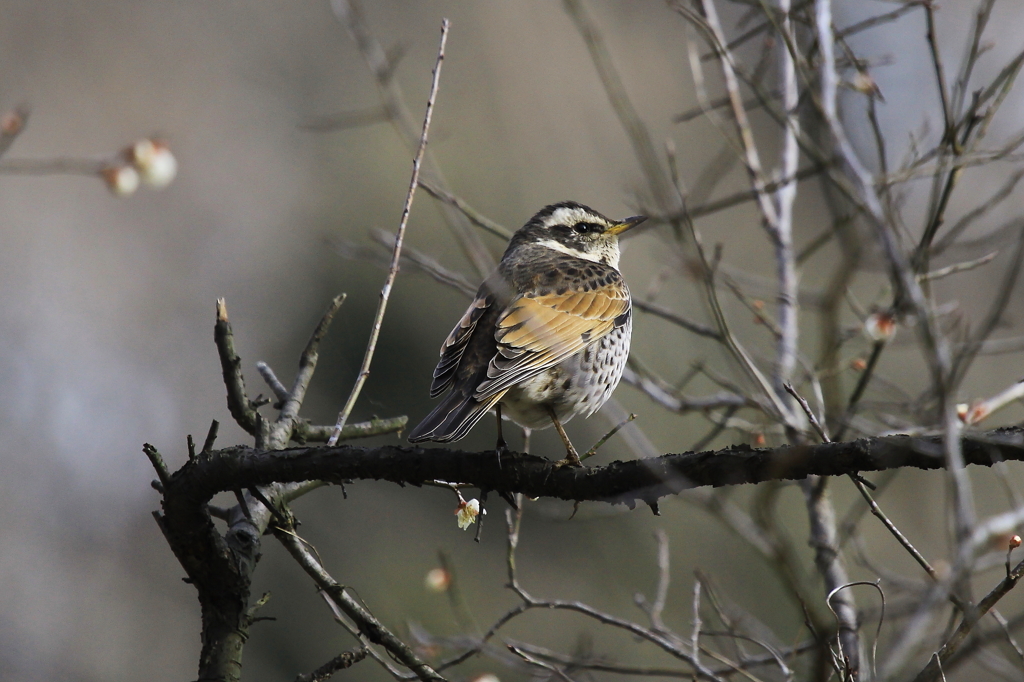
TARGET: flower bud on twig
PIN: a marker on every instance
(121, 180)
(154, 162)
(880, 326)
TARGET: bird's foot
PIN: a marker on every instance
(572, 459)
(501, 450)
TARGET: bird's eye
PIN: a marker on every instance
(583, 228)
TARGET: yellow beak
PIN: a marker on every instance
(626, 224)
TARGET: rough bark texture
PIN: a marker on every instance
(221, 566)
(619, 482)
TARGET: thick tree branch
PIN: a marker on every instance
(644, 480)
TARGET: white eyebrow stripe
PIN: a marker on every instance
(565, 215)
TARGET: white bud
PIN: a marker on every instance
(121, 180)
(155, 162)
(880, 326)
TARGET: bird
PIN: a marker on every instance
(547, 335)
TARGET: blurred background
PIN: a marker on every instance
(108, 308)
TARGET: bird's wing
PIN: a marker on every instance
(539, 331)
(454, 346)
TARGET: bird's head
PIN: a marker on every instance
(576, 230)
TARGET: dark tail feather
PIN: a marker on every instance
(453, 418)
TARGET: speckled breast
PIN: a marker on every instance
(580, 384)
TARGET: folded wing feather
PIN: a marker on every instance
(538, 332)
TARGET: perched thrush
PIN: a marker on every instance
(546, 337)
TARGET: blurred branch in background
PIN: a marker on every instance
(787, 95)
(148, 161)
(382, 67)
(385, 293)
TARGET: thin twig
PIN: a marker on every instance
(544, 665)
(343, 660)
(411, 257)
(664, 576)
(474, 216)
(604, 439)
(809, 413)
(785, 259)
(54, 166)
(275, 385)
(307, 365)
(364, 370)
(737, 198)
(639, 136)
(671, 400)
(933, 275)
(896, 533)
(746, 134)
(321, 433)
(211, 438)
(366, 622)
(940, 76)
(666, 314)
(158, 463)
(950, 236)
(695, 632)
(970, 619)
(344, 120)
(666, 641)
(720, 103)
(983, 409)
(382, 66)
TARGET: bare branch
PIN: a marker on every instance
(474, 216)
(636, 130)
(665, 314)
(367, 624)
(343, 660)
(672, 400)
(970, 619)
(751, 156)
(622, 482)
(385, 293)
(231, 365)
(275, 385)
(305, 432)
(63, 165)
(933, 275)
(382, 67)
(158, 463)
(544, 665)
(785, 258)
(347, 119)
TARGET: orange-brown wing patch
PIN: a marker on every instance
(539, 332)
(454, 346)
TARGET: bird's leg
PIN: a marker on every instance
(502, 447)
(572, 457)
